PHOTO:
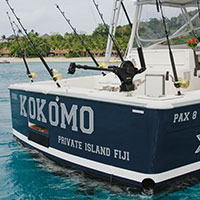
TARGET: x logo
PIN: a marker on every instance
(198, 149)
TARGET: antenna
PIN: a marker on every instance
(33, 45)
(82, 41)
(176, 82)
(111, 36)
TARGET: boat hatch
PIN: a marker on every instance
(154, 85)
(38, 134)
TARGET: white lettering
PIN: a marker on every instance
(122, 155)
(180, 119)
(22, 103)
(39, 110)
(194, 115)
(69, 117)
(97, 149)
(90, 112)
(31, 107)
(57, 114)
(175, 117)
(184, 117)
(198, 149)
(70, 142)
(54, 120)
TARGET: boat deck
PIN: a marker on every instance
(99, 88)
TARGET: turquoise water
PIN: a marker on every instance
(26, 174)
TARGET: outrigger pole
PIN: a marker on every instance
(33, 45)
(111, 36)
(22, 54)
(68, 21)
(176, 82)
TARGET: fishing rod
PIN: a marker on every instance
(198, 7)
(111, 36)
(197, 65)
(125, 72)
(139, 47)
(80, 38)
(176, 82)
(124, 9)
(30, 75)
(51, 72)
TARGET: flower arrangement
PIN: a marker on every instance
(192, 42)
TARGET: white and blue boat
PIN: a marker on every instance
(141, 130)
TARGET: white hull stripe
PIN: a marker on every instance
(108, 169)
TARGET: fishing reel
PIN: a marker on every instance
(182, 83)
(56, 74)
(72, 68)
(126, 73)
(33, 75)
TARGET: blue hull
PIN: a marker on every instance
(132, 144)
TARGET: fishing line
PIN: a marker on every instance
(80, 38)
(111, 36)
(34, 47)
(30, 75)
(139, 46)
(176, 82)
(94, 17)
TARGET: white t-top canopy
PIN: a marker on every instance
(173, 3)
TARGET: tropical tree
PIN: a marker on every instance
(3, 37)
(101, 30)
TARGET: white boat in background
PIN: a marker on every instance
(135, 125)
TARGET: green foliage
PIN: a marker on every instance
(96, 42)
(22, 46)
(101, 30)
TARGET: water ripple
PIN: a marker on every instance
(4, 99)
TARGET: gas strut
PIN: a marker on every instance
(30, 75)
(33, 45)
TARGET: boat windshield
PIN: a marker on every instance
(182, 23)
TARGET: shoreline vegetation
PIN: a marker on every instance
(58, 48)
(51, 59)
